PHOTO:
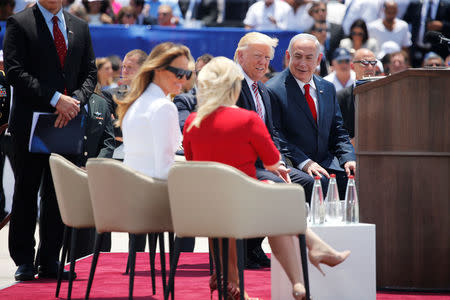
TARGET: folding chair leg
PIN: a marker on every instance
(302, 242)
(240, 259)
(63, 259)
(132, 255)
(98, 243)
(173, 268)
(73, 244)
(211, 263)
(162, 256)
(151, 251)
(225, 243)
(171, 244)
(218, 267)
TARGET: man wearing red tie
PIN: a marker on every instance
(307, 118)
(50, 62)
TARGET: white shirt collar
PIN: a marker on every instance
(155, 90)
(301, 84)
(48, 15)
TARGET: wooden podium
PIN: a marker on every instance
(402, 145)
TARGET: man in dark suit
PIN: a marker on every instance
(50, 62)
(307, 118)
(364, 66)
(253, 54)
(424, 16)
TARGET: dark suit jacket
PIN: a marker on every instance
(413, 17)
(185, 103)
(204, 10)
(346, 100)
(99, 138)
(33, 68)
(299, 136)
(336, 35)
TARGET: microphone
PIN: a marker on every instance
(435, 37)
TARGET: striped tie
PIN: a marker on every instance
(258, 100)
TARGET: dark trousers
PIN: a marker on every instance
(32, 171)
(5, 150)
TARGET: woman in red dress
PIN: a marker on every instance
(222, 132)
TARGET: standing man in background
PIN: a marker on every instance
(50, 62)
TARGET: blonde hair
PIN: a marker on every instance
(218, 84)
(160, 57)
(258, 38)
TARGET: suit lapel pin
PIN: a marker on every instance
(320, 91)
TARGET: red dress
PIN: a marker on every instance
(232, 136)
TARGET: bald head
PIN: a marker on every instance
(390, 10)
(363, 63)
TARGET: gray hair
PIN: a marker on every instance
(304, 36)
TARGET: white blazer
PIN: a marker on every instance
(151, 133)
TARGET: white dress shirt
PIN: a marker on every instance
(258, 15)
(337, 84)
(151, 133)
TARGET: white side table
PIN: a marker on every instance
(354, 279)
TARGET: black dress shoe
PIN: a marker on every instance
(24, 272)
(261, 257)
(52, 272)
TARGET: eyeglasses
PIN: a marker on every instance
(357, 33)
(366, 62)
(129, 16)
(179, 73)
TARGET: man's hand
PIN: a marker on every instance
(314, 169)
(435, 25)
(350, 167)
(283, 173)
(67, 108)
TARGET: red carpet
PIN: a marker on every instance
(191, 281)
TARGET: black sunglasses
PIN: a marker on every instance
(357, 33)
(366, 62)
(179, 73)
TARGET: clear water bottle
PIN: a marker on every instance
(351, 202)
(332, 202)
(317, 203)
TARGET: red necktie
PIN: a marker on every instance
(60, 43)
(310, 101)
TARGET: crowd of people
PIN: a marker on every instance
(278, 127)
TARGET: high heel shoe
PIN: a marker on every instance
(328, 258)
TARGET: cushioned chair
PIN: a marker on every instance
(74, 202)
(124, 200)
(218, 201)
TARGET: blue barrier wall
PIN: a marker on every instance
(119, 39)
